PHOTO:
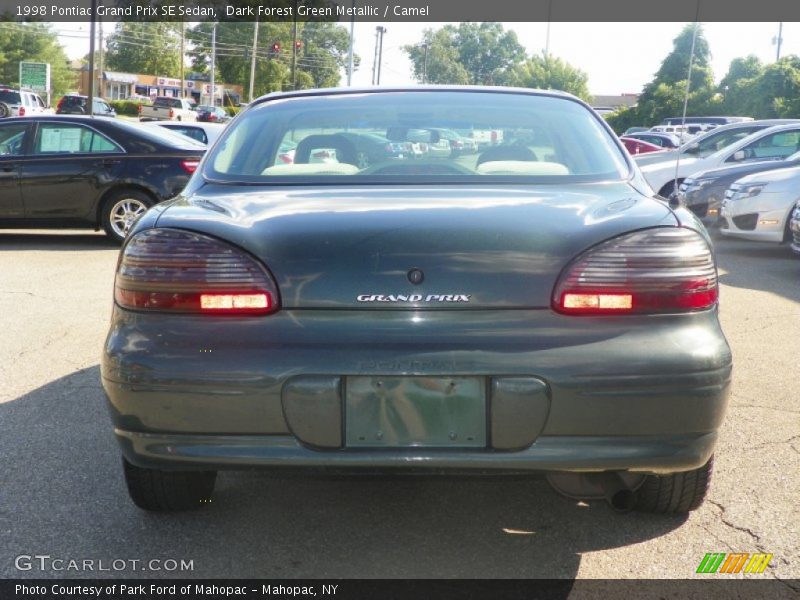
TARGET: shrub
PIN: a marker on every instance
(126, 107)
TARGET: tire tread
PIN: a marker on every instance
(168, 491)
(676, 493)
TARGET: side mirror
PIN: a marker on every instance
(738, 155)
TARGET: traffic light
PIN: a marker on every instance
(298, 44)
(275, 48)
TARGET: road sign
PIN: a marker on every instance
(34, 76)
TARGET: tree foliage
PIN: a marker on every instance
(321, 55)
(153, 48)
(546, 72)
(469, 53)
(34, 42)
(665, 94)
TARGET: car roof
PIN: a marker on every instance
(336, 91)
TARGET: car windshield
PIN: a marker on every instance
(402, 137)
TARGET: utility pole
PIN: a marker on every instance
(100, 61)
(294, 46)
(381, 30)
(213, 65)
(90, 91)
(350, 53)
(779, 40)
(425, 64)
(183, 41)
(375, 58)
(253, 59)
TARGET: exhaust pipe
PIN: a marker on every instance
(616, 492)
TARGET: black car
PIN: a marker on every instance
(59, 171)
(703, 192)
(73, 104)
(212, 114)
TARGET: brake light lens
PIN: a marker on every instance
(21, 111)
(660, 270)
(190, 166)
(171, 270)
(171, 113)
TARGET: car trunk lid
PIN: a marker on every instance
(482, 247)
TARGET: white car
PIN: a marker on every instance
(20, 103)
(758, 207)
(776, 142)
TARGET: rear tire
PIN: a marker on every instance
(676, 493)
(168, 491)
(5, 110)
(120, 211)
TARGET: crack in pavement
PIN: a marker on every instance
(753, 535)
(765, 444)
(746, 530)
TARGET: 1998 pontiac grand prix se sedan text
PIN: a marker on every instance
(532, 307)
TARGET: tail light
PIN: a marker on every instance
(660, 270)
(190, 166)
(177, 271)
(171, 113)
(21, 112)
(60, 104)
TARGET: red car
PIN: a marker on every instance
(639, 146)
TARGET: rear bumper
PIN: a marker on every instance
(549, 453)
(612, 393)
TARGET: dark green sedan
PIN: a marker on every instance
(532, 307)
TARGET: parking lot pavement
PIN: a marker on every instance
(61, 491)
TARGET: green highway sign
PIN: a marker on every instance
(34, 76)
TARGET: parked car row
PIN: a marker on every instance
(743, 177)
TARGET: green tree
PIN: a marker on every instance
(547, 72)
(321, 56)
(776, 92)
(739, 85)
(34, 42)
(470, 53)
(152, 48)
(663, 96)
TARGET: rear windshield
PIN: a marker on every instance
(171, 102)
(9, 97)
(417, 137)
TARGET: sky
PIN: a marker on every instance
(618, 57)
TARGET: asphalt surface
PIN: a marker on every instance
(62, 493)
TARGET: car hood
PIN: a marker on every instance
(777, 175)
(501, 246)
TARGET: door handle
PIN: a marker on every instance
(9, 168)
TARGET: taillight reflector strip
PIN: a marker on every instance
(598, 301)
(241, 302)
(190, 166)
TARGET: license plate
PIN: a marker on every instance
(407, 412)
